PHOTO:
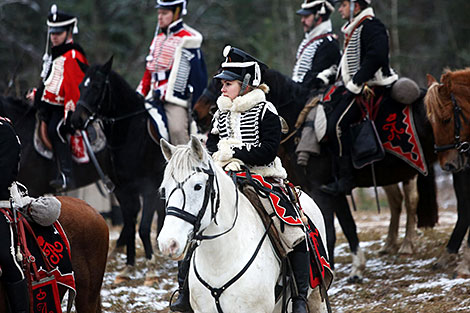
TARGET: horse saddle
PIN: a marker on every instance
(392, 120)
(283, 241)
(43, 144)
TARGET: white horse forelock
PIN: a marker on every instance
(182, 163)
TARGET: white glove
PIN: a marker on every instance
(234, 165)
(19, 200)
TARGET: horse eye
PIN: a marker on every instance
(197, 187)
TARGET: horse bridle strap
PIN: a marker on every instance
(461, 146)
(217, 292)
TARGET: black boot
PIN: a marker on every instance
(299, 261)
(18, 296)
(63, 155)
(182, 304)
(345, 182)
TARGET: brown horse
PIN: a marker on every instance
(448, 109)
(88, 235)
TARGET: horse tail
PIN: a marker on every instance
(427, 209)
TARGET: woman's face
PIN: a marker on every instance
(58, 38)
(165, 17)
(231, 88)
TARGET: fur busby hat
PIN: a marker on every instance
(172, 5)
(316, 7)
(58, 21)
(241, 66)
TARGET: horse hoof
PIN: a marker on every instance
(355, 280)
(114, 253)
(124, 275)
(151, 281)
(121, 279)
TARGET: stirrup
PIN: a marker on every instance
(60, 183)
(181, 304)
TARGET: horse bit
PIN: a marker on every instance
(461, 146)
(197, 235)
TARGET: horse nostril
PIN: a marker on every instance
(174, 246)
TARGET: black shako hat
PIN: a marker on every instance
(241, 66)
(314, 6)
(172, 5)
(59, 21)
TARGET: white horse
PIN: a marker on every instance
(234, 257)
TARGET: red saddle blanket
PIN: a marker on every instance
(46, 244)
(319, 265)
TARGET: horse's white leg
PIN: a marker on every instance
(395, 198)
(411, 202)
(445, 260)
(358, 266)
(315, 303)
(463, 268)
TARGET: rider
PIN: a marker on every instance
(175, 69)
(11, 269)
(318, 54)
(364, 65)
(59, 93)
(246, 130)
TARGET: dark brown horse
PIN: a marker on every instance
(448, 109)
(88, 235)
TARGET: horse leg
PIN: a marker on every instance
(460, 181)
(410, 189)
(130, 206)
(346, 221)
(395, 198)
(148, 211)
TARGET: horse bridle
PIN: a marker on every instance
(461, 146)
(93, 114)
(210, 193)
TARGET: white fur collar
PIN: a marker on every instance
(242, 103)
(320, 29)
(348, 27)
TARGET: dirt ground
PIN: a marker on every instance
(392, 283)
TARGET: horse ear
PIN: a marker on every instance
(197, 148)
(431, 80)
(108, 65)
(83, 66)
(167, 149)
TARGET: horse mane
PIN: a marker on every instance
(127, 94)
(182, 163)
(435, 107)
(438, 98)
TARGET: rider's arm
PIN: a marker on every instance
(270, 138)
(374, 43)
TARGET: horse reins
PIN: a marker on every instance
(460, 146)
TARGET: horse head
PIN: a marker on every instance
(448, 110)
(93, 91)
(205, 106)
(189, 189)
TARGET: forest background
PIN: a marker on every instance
(426, 35)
